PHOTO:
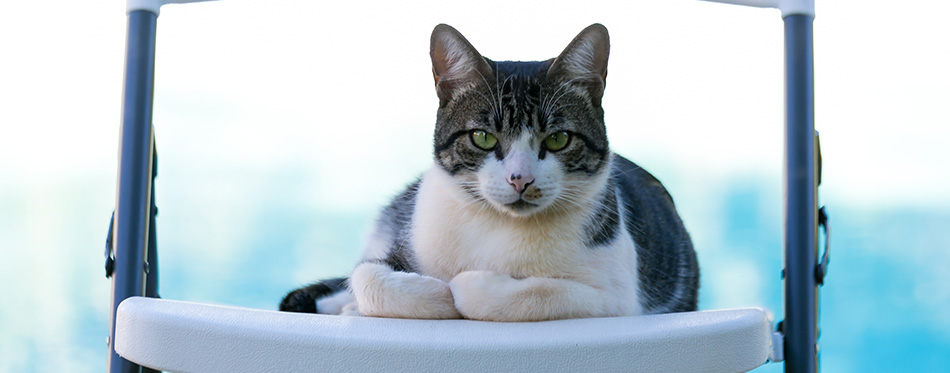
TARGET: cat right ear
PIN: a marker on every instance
(455, 62)
(585, 61)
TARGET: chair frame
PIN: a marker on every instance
(132, 252)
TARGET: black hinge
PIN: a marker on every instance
(822, 269)
(110, 258)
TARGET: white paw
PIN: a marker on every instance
(382, 292)
(489, 296)
(483, 295)
(334, 304)
(350, 309)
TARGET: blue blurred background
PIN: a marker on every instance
(283, 126)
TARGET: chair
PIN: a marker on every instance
(150, 333)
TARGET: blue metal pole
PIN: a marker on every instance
(151, 272)
(801, 240)
(802, 274)
(133, 201)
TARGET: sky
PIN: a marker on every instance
(314, 106)
(297, 81)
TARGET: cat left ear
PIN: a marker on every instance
(584, 61)
(455, 62)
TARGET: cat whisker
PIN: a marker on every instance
(561, 107)
(499, 90)
(491, 102)
(549, 102)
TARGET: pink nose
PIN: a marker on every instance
(520, 181)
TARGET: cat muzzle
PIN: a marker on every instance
(520, 182)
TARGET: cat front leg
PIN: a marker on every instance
(489, 296)
(382, 292)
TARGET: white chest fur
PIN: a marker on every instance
(450, 235)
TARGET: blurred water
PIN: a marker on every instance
(883, 308)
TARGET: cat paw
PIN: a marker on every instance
(382, 292)
(483, 295)
(351, 309)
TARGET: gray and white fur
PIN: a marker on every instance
(525, 214)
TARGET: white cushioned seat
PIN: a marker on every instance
(193, 337)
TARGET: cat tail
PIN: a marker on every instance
(305, 299)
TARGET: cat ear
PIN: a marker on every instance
(455, 62)
(584, 61)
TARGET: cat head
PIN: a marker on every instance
(523, 137)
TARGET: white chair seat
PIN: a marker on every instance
(194, 337)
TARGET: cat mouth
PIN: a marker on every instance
(521, 205)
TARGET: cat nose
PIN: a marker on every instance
(520, 181)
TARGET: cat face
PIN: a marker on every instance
(522, 137)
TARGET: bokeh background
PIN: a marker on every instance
(283, 125)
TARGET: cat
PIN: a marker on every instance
(526, 214)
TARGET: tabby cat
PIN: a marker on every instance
(525, 214)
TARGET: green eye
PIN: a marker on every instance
(484, 140)
(557, 141)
